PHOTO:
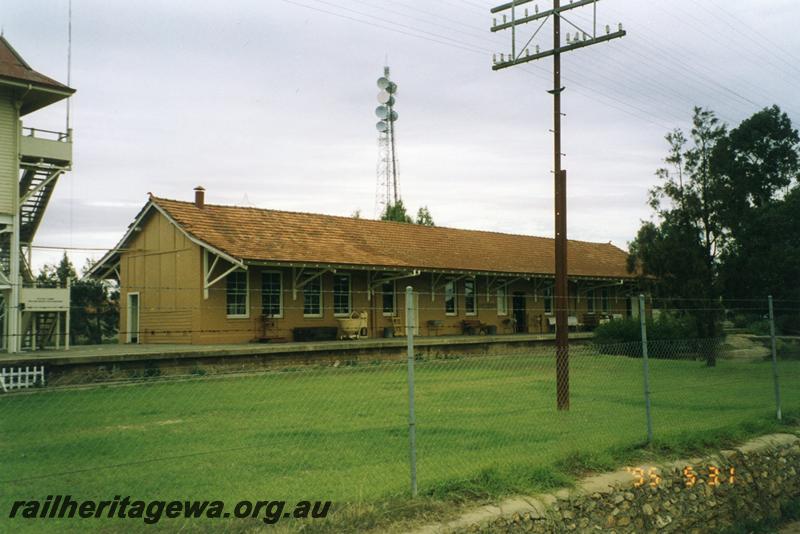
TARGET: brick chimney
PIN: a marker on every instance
(199, 196)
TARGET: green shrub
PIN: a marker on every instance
(619, 331)
(666, 327)
(759, 327)
(669, 336)
(741, 320)
(787, 349)
(788, 325)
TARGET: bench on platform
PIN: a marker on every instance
(472, 327)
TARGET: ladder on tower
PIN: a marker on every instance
(35, 189)
(39, 330)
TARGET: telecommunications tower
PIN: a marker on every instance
(386, 192)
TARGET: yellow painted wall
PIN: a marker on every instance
(161, 264)
(220, 329)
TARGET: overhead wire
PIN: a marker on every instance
(591, 93)
(389, 21)
(448, 42)
(437, 23)
(683, 61)
(775, 46)
(772, 50)
(650, 104)
(633, 53)
(745, 53)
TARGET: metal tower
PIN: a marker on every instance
(386, 189)
(31, 161)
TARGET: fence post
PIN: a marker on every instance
(774, 359)
(646, 369)
(412, 418)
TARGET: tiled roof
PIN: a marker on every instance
(282, 236)
(13, 67)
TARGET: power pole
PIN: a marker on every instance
(580, 40)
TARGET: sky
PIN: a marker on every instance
(270, 103)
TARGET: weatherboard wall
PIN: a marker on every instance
(9, 136)
(162, 265)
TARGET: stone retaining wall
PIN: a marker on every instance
(695, 496)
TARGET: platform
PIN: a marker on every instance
(92, 363)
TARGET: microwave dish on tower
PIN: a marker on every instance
(382, 112)
(387, 190)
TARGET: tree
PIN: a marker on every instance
(424, 217)
(396, 212)
(94, 304)
(356, 214)
(765, 257)
(760, 165)
(680, 249)
(57, 275)
(757, 160)
(727, 215)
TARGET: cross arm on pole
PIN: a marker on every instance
(535, 16)
(567, 48)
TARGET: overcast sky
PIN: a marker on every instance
(270, 103)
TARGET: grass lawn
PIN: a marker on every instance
(341, 433)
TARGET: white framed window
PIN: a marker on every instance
(590, 301)
(450, 307)
(341, 295)
(272, 294)
(470, 302)
(502, 300)
(312, 298)
(388, 299)
(237, 295)
(548, 300)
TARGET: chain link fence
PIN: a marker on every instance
(341, 432)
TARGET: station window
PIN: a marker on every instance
(312, 298)
(388, 298)
(341, 294)
(502, 300)
(470, 302)
(450, 298)
(236, 294)
(548, 300)
(271, 294)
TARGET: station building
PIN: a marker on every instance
(199, 273)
